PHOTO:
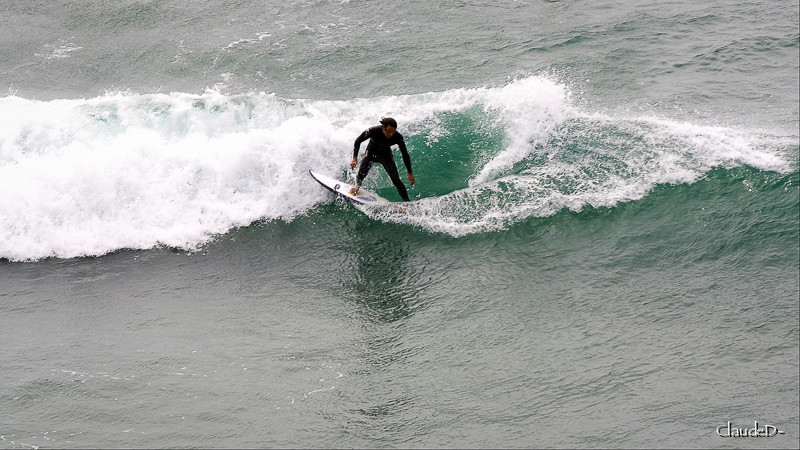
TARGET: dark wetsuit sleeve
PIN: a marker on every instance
(406, 158)
(361, 138)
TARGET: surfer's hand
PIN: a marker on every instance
(353, 163)
(411, 178)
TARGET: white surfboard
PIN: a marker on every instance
(362, 197)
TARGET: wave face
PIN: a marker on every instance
(123, 171)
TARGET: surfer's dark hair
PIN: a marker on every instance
(388, 122)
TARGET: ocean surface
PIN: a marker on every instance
(602, 248)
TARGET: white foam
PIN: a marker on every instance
(589, 159)
(86, 177)
(531, 110)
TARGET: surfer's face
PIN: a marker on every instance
(388, 131)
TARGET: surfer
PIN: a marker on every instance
(381, 138)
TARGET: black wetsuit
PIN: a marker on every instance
(379, 150)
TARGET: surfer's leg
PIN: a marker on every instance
(391, 169)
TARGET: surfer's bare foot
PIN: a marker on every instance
(353, 190)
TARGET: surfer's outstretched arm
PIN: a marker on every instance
(406, 158)
(356, 146)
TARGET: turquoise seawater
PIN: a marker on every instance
(603, 247)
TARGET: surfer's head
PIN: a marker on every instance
(389, 126)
